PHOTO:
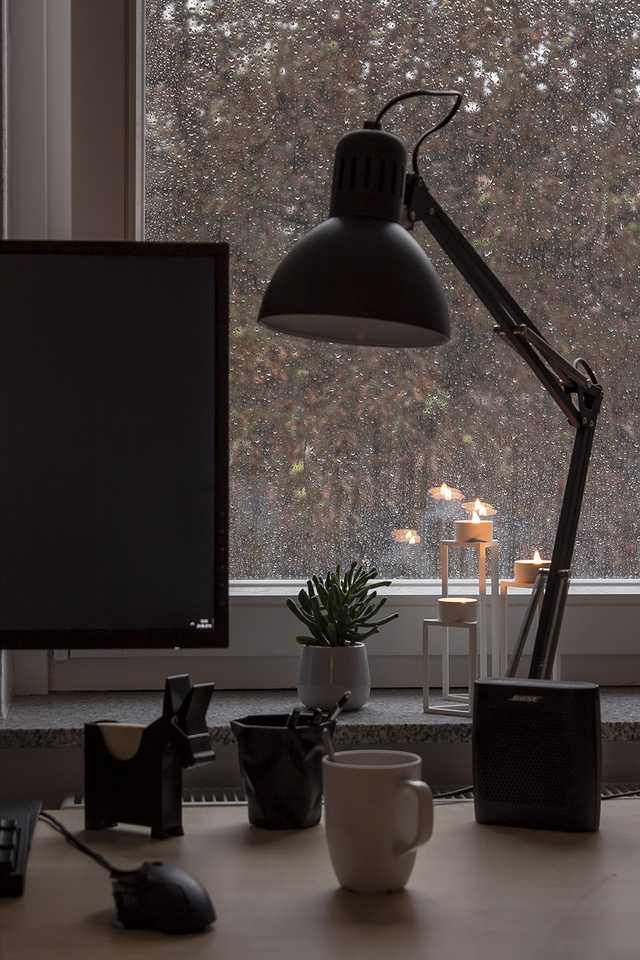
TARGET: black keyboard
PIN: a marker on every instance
(17, 823)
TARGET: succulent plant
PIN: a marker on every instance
(339, 609)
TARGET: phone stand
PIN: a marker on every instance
(133, 774)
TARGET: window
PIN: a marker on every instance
(333, 448)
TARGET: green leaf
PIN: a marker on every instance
(304, 602)
(380, 623)
(339, 608)
(304, 617)
(295, 610)
(308, 621)
(319, 619)
(321, 591)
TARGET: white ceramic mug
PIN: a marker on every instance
(377, 813)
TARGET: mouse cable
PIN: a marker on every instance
(55, 824)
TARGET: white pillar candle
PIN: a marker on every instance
(526, 571)
(474, 530)
(452, 610)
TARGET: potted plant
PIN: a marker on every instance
(339, 612)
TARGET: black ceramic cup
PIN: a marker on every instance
(281, 769)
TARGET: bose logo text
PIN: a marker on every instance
(524, 698)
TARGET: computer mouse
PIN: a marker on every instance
(158, 896)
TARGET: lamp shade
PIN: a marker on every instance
(360, 277)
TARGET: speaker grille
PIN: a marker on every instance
(523, 763)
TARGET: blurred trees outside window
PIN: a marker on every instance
(332, 448)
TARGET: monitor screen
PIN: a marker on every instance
(113, 445)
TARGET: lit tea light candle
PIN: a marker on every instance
(412, 537)
(481, 507)
(445, 492)
(452, 610)
(526, 571)
(474, 530)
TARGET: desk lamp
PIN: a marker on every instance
(361, 278)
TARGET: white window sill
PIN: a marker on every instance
(598, 642)
(410, 591)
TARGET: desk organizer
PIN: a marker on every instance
(281, 768)
(133, 774)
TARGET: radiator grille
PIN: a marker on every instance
(610, 791)
(234, 796)
(214, 797)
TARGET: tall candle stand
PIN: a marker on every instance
(484, 638)
(488, 554)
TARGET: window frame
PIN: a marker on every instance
(72, 174)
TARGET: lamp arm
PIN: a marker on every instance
(573, 387)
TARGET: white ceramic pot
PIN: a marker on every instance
(326, 672)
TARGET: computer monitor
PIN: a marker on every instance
(113, 445)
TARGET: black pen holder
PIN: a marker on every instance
(134, 774)
(281, 769)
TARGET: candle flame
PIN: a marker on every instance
(536, 557)
(411, 537)
(481, 507)
(445, 491)
(475, 518)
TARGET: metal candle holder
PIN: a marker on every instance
(484, 650)
(456, 704)
(488, 568)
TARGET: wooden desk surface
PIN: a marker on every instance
(477, 892)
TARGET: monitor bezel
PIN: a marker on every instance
(154, 638)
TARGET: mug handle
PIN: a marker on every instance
(424, 828)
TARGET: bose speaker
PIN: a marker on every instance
(536, 754)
